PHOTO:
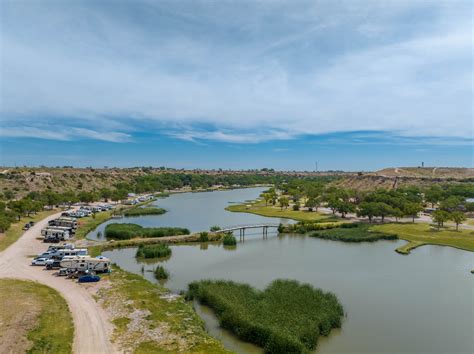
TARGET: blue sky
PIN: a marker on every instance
(354, 85)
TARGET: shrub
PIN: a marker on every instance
(127, 231)
(161, 273)
(153, 251)
(143, 211)
(353, 233)
(229, 239)
(296, 207)
(204, 237)
(215, 228)
(287, 317)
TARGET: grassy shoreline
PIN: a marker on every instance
(49, 329)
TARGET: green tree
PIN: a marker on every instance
(440, 217)
(344, 207)
(312, 203)
(433, 195)
(267, 197)
(412, 210)
(383, 210)
(367, 209)
(458, 217)
(451, 203)
(284, 202)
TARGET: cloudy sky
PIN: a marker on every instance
(354, 84)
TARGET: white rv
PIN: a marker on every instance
(56, 233)
(64, 252)
(64, 222)
(82, 263)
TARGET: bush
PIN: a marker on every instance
(296, 207)
(161, 273)
(153, 251)
(127, 231)
(204, 237)
(287, 317)
(229, 239)
(353, 233)
(215, 228)
(143, 211)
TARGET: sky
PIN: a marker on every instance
(351, 85)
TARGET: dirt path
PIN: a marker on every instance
(92, 329)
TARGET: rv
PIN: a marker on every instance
(83, 263)
(55, 233)
(64, 252)
(64, 222)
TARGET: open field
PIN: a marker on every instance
(16, 230)
(259, 208)
(33, 318)
(148, 318)
(423, 234)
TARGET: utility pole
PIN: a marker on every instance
(316, 166)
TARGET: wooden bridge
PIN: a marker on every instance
(242, 229)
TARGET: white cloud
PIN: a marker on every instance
(252, 79)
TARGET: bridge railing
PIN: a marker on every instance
(248, 226)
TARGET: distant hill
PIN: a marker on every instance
(427, 172)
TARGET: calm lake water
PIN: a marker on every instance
(421, 303)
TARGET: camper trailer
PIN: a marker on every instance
(64, 252)
(64, 222)
(53, 233)
(83, 263)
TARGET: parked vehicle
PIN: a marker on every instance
(32, 223)
(26, 227)
(52, 232)
(62, 272)
(83, 263)
(53, 264)
(88, 278)
(39, 261)
(63, 252)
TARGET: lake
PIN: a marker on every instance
(420, 303)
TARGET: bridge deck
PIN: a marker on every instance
(241, 227)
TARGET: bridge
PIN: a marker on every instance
(242, 229)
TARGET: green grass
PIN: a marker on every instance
(180, 327)
(287, 317)
(353, 233)
(161, 273)
(89, 223)
(150, 210)
(259, 208)
(423, 234)
(52, 331)
(158, 250)
(16, 230)
(127, 231)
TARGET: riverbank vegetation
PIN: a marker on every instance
(353, 233)
(33, 318)
(161, 273)
(287, 317)
(229, 239)
(162, 322)
(150, 210)
(127, 231)
(158, 250)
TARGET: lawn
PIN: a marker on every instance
(33, 318)
(89, 223)
(162, 322)
(423, 234)
(16, 230)
(260, 208)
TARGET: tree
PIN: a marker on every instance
(4, 223)
(267, 197)
(412, 209)
(367, 209)
(284, 202)
(383, 210)
(451, 203)
(433, 195)
(440, 217)
(458, 217)
(312, 203)
(344, 207)
(105, 194)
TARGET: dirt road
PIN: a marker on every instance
(92, 329)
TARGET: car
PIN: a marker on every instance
(62, 272)
(88, 278)
(26, 227)
(32, 223)
(39, 261)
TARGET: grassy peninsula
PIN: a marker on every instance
(273, 319)
(149, 210)
(127, 231)
(353, 233)
(34, 318)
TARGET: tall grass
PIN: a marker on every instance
(229, 239)
(144, 211)
(158, 250)
(287, 317)
(128, 231)
(161, 273)
(355, 233)
(204, 236)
